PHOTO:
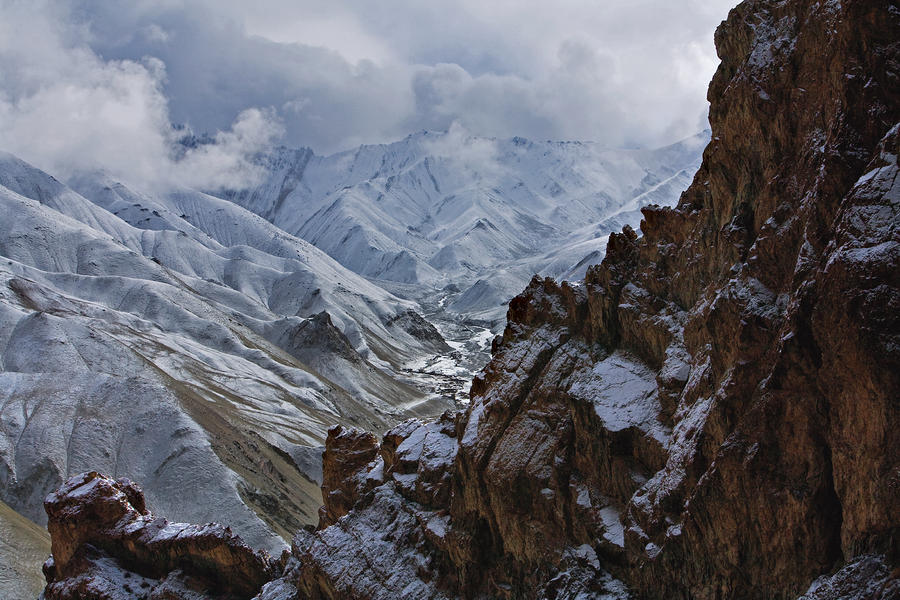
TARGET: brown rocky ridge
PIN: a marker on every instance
(712, 413)
(106, 544)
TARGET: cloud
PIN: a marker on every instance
(476, 155)
(111, 77)
(226, 162)
(65, 109)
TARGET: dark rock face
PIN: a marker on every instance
(713, 414)
(107, 546)
(414, 324)
(316, 338)
(347, 452)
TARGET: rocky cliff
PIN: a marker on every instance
(106, 544)
(713, 413)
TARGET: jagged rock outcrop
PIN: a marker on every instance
(107, 546)
(347, 451)
(713, 413)
(415, 325)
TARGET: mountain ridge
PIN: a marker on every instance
(447, 208)
(161, 311)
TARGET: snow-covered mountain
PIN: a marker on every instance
(180, 340)
(464, 222)
(202, 343)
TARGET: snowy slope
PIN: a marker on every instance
(446, 208)
(23, 548)
(202, 343)
(184, 342)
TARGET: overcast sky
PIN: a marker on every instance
(86, 84)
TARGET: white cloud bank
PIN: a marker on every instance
(87, 84)
(65, 109)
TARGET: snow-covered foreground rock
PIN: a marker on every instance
(91, 512)
(180, 340)
(463, 219)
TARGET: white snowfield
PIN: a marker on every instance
(442, 208)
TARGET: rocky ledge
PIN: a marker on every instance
(107, 546)
(711, 414)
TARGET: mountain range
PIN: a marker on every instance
(446, 216)
(709, 414)
(203, 342)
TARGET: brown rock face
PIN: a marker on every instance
(107, 546)
(714, 413)
(347, 453)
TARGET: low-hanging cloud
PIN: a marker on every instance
(226, 160)
(65, 109)
(88, 84)
(473, 154)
